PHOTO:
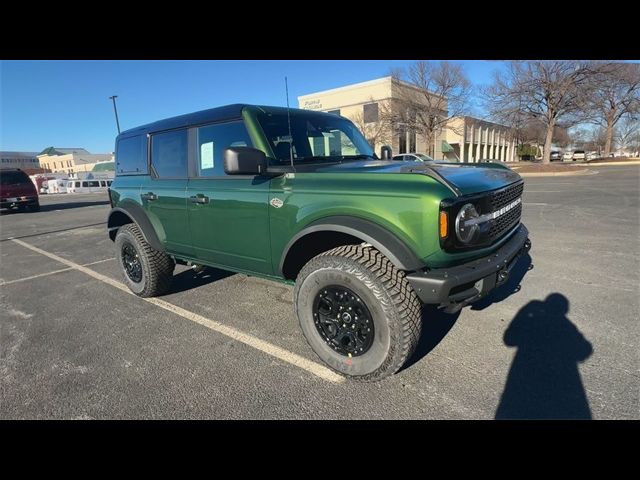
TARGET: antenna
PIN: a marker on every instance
(286, 87)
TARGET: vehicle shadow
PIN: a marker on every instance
(436, 324)
(55, 206)
(189, 279)
(544, 381)
(509, 288)
(68, 206)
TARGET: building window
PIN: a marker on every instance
(370, 112)
(402, 139)
(335, 112)
(412, 141)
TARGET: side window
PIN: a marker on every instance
(94, 183)
(77, 184)
(212, 142)
(85, 184)
(169, 154)
(103, 183)
(131, 156)
(109, 183)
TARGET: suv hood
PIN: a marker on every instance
(463, 178)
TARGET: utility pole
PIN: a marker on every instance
(115, 110)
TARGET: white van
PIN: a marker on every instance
(58, 185)
(88, 186)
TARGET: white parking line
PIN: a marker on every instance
(34, 276)
(261, 345)
(40, 275)
(543, 204)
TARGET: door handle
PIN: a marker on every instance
(200, 198)
(149, 196)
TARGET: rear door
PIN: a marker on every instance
(163, 192)
(228, 214)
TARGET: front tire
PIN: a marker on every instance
(339, 281)
(147, 272)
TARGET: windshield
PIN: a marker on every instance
(423, 157)
(317, 138)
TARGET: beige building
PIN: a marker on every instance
(71, 160)
(367, 104)
(482, 140)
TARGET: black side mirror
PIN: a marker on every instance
(385, 152)
(244, 161)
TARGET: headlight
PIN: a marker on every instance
(466, 228)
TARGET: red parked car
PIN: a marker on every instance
(17, 190)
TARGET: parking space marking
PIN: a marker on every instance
(46, 274)
(270, 349)
(542, 204)
(40, 275)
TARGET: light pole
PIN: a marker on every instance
(115, 110)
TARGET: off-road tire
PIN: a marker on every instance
(394, 306)
(157, 267)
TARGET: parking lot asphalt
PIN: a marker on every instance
(74, 345)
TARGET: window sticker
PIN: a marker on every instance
(206, 155)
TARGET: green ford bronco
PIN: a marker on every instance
(301, 198)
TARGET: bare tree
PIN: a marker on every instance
(627, 133)
(547, 91)
(615, 94)
(428, 96)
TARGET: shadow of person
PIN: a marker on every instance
(544, 381)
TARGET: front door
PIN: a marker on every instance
(228, 214)
(163, 193)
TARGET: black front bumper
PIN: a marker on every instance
(18, 201)
(463, 284)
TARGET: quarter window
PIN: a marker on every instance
(131, 155)
(169, 154)
(213, 140)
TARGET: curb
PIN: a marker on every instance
(604, 164)
(555, 174)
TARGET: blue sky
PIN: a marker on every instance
(65, 103)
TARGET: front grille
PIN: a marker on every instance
(507, 221)
(505, 196)
(504, 223)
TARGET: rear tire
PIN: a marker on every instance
(147, 272)
(391, 303)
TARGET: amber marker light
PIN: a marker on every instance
(444, 224)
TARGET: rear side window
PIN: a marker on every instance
(212, 142)
(169, 154)
(94, 183)
(77, 184)
(85, 184)
(131, 156)
(13, 178)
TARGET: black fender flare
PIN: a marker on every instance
(137, 215)
(378, 236)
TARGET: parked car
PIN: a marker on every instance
(17, 191)
(218, 188)
(579, 155)
(567, 156)
(412, 157)
(556, 156)
(87, 186)
(592, 155)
